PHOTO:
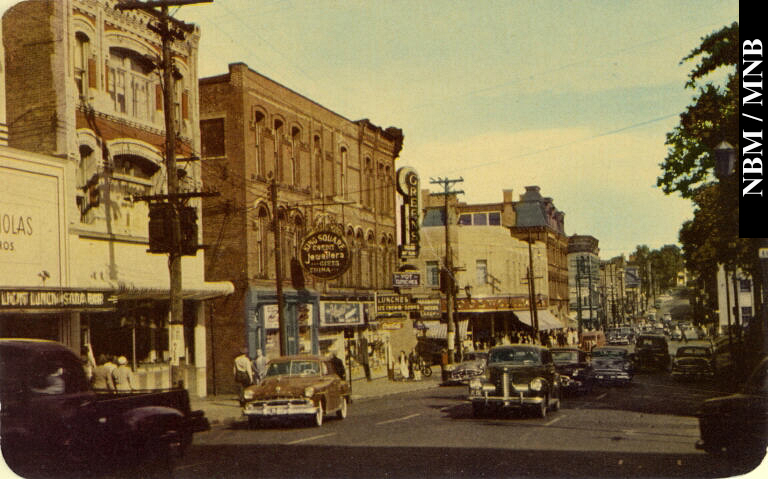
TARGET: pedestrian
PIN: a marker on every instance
(123, 376)
(338, 366)
(243, 371)
(403, 365)
(102, 374)
(259, 366)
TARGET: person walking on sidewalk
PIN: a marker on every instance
(123, 376)
(243, 371)
(259, 366)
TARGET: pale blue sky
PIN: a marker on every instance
(573, 96)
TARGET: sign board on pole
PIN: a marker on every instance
(405, 280)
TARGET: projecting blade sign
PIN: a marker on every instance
(324, 253)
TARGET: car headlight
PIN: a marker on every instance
(576, 372)
(536, 384)
(248, 395)
(475, 384)
(309, 392)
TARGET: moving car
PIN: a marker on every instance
(574, 368)
(301, 386)
(652, 352)
(472, 366)
(52, 420)
(693, 361)
(737, 425)
(612, 365)
(520, 376)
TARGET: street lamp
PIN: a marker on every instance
(725, 159)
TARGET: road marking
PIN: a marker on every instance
(601, 396)
(554, 421)
(398, 419)
(311, 438)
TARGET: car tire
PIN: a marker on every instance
(556, 402)
(541, 410)
(342, 412)
(317, 419)
(478, 410)
(427, 371)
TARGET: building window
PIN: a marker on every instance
(433, 273)
(745, 285)
(343, 173)
(480, 219)
(295, 141)
(129, 84)
(465, 219)
(85, 75)
(212, 137)
(494, 218)
(279, 150)
(746, 313)
(481, 271)
(434, 217)
(258, 127)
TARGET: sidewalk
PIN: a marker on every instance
(225, 409)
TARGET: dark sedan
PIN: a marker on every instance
(612, 365)
(737, 425)
(693, 362)
(574, 368)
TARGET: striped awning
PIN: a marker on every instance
(547, 320)
(436, 329)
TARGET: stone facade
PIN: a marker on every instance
(584, 280)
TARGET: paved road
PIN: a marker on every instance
(644, 430)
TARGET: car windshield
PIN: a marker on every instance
(650, 342)
(516, 355)
(565, 356)
(293, 367)
(693, 352)
(475, 356)
(608, 353)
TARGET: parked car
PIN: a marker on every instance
(652, 352)
(737, 425)
(519, 376)
(574, 368)
(472, 366)
(612, 365)
(52, 420)
(301, 386)
(693, 361)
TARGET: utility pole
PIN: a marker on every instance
(278, 269)
(450, 291)
(589, 285)
(579, 264)
(532, 292)
(168, 35)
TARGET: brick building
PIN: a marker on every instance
(82, 88)
(326, 168)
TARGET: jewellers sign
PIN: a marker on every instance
(41, 299)
(408, 187)
(325, 255)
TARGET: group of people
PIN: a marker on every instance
(553, 338)
(407, 366)
(248, 371)
(112, 374)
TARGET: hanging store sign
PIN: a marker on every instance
(405, 280)
(325, 254)
(408, 187)
(395, 303)
(430, 308)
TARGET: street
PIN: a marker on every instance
(646, 429)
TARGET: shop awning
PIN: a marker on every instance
(546, 319)
(436, 329)
(197, 291)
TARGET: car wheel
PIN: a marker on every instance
(342, 412)
(541, 410)
(427, 372)
(478, 409)
(556, 402)
(318, 418)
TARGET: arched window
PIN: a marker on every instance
(84, 64)
(343, 173)
(278, 130)
(295, 141)
(129, 83)
(317, 157)
(368, 182)
(262, 240)
(258, 128)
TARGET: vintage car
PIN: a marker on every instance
(736, 426)
(652, 352)
(574, 368)
(519, 376)
(693, 361)
(301, 386)
(612, 365)
(51, 421)
(472, 366)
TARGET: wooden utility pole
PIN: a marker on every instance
(532, 291)
(450, 291)
(169, 30)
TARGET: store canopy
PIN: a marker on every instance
(197, 291)
(436, 329)
(546, 319)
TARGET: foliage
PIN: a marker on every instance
(657, 268)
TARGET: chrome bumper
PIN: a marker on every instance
(280, 407)
(611, 376)
(516, 396)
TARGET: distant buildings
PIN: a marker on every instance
(584, 281)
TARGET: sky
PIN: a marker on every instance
(573, 96)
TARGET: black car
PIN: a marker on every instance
(737, 425)
(652, 352)
(612, 365)
(574, 368)
(520, 376)
(693, 362)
